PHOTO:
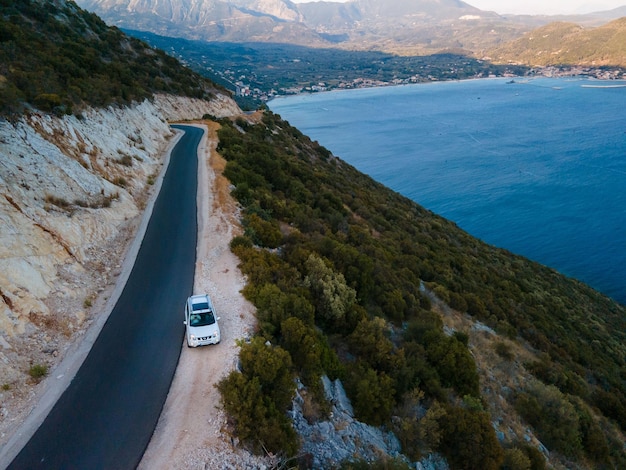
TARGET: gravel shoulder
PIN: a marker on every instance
(192, 431)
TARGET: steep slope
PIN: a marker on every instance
(568, 44)
(56, 57)
(355, 281)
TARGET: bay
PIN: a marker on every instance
(536, 166)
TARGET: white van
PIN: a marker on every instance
(201, 326)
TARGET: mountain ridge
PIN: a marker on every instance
(356, 24)
(417, 27)
(563, 44)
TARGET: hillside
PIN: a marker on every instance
(418, 27)
(56, 57)
(567, 44)
(429, 329)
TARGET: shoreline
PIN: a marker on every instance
(547, 72)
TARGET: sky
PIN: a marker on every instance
(536, 7)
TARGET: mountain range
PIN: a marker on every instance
(400, 26)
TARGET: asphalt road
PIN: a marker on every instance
(106, 416)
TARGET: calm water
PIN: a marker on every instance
(536, 166)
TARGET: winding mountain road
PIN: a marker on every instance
(106, 416)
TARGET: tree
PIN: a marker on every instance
(372, 394)
(257, 398)
(370, 342)
(554, 418)
(332, 296)
(469, 441)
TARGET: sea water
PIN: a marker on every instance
(536, 166)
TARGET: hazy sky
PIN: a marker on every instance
(551, 7)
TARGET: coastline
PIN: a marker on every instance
(580, 73)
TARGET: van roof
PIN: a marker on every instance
(200, 302)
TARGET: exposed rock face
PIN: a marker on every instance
(342, 437)
(279, 9)
(71, 191)
(317, 24)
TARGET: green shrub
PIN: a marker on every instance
(257, 398)
(469, 441)
(516, 459)
(552, 416)
(372, 393)
(38, 371)
(332, 296)
(262, 232)
(240, 240)
(453, 362)
(504, 350)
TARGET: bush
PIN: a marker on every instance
(240, 241)
(372, 393)
(38, 371)
(262, 232)
(515, 459)
(370, 342)
(504, 350)
(469, 441)
(257, 398)
(454, 363)
(552, 416)
(332, 296)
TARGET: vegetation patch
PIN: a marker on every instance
(338, 267)
(57, 58)
(38, 371)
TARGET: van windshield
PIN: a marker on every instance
(201, 319)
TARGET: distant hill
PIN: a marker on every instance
(399, 26)
(568, 44)
(55, 56)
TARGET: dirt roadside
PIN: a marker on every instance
(191, 431)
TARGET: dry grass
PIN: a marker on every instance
(501, 375)
(222, 185)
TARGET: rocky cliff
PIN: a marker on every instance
(72, 189)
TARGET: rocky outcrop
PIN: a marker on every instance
(342, 437)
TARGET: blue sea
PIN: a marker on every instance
(536, 166)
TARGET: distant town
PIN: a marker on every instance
(244, 89)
